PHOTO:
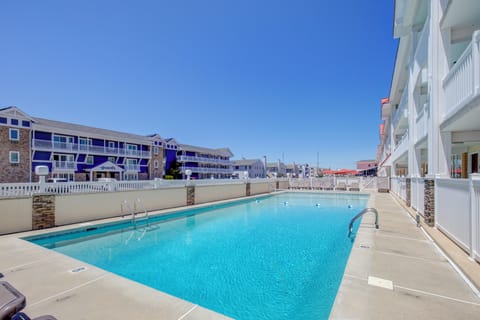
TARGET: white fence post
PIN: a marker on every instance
(475, 216)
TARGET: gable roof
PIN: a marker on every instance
(16, 112)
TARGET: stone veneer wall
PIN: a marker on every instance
(429, 202)
(43, 211)
(248, 189)
(10, 172)
(408, 188)
(190, 195)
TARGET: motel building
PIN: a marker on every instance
(249, 168)
(80, 153)
(430, 130)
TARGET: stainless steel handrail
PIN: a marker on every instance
(361, 213)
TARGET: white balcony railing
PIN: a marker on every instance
(401, 110)
(64, 165)
(50, 145)
(462, 83)
(132, 167)
(206, 170)
(421, 123)
(203, 160)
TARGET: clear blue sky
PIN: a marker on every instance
(285, 79)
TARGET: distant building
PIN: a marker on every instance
(292, 170)
(276, 169)
(81, 153)
(205, 163)
(254, 168)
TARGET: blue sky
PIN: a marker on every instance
(285, 79)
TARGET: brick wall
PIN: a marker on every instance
(14, 172)
(156, 173)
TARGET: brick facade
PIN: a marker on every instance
(156, 172)
(10, 172)
(190, 195)
(248, 189)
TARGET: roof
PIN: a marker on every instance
(245, 162)
(89, 131)
(224, 152)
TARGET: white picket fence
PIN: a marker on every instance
(334, 183)
(28, 189)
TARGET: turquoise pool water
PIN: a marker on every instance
(278, 257)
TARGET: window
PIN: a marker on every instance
(14, 122)
(89, 160)
(25, 123)
(111, 145)
(14, 157)
(155, 164)
(3, 120)
(112, 159)
(14, 134)
(155, 150)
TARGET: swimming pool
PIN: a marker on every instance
(277, 257)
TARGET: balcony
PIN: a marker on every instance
(462, 85)
(130, 167)
(206, 170)
(422, 123)
(401, 147)
(400, 116)
(64, 166)
(203, 160)
(49, 145)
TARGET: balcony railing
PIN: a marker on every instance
(401, 110)
(421, 123)
(206, 170)
(132, 167)
(462, 83)
(64, 165)
(203, 160)
(83, 148)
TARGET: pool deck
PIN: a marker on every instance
(409, 278)
(398, 272)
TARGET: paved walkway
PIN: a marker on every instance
(397, 272)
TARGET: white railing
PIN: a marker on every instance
(402, 107)
(452, 210)
(475, 210)
(351, 183)
(421, 51)
(421, 123)
(461, 84)
(203, 160)
(65, 165)
(206, 170)
(399, 187)
(84, 148)
(18, 189)
(403, 141)
(132, 167)
(28, 189)
(417, 194)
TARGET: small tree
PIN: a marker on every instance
(174, 170)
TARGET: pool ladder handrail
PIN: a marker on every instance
(145, 212)
(360, 214)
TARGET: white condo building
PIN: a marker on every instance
(430, 135)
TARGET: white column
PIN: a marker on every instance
(439, 47)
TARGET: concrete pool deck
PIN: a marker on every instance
(408, 277)
(398, 272)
